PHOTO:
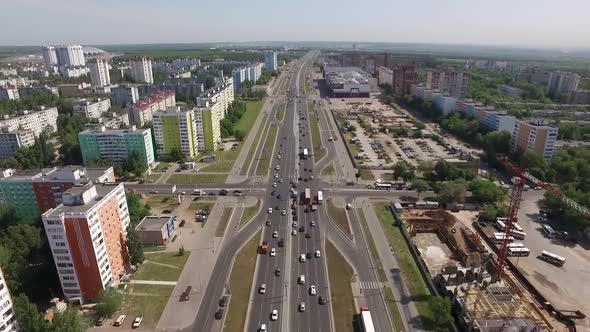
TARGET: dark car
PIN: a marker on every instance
(167, 211)
(222, 302)
(278, 272)
(309, 255)
(322, 300)
(302, 229)
(100, 320)
(281, 243)
(219, 313)
(268, 222)
(307, 236)
(223, 192)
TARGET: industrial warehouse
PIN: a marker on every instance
(347, 82)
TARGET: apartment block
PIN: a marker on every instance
(49, 56)
(99, 72)
(509, 91)
(8, 321)
(70, 55)
(579, 97)
(270, 60)
(140, 70)
(113, 120)
(452, 83)
(385, 76)
(73, 72)
(249, 73)
(535, 136)
(208, 128)
(443, 103)
(32, 193)
(91, 109)
(10, 93)
(404, 76)
(37, 121)
(87, 237)
(124, 96)
(116, 144)
(562, 82)
(12, 140)
(142, 112)
(186, 63)
(176, 129)
(222, 94)
(498, 120)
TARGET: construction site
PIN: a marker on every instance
(462, 266)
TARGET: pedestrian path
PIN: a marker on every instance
(153, 282)
(369, 284)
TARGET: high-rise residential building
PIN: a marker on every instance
(140, 69)
(123, 96)
(249, 73)
(116, 144)
(270, 60)
(509, 91)
(37, 121)
(66, 55)
(12, 140)
(176, 129)
(87, 237)
(208, 126)
(385, 76)
(99, 72)
(49, 56)
(452, 83)
(114, 120)
(562, 83)
(222, 96)
(33, 192)
(535, 136)
(91, 109)
(186, 63)
(404, 76)
(8, 321)
(10, 93)
(141, 112)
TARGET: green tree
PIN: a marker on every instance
(452, 191)
(8, 216)
(357, 175)
(20, 244)
(108, 302)
(176, 155)
(441, 312)
(492, 211)
(420, 186)
(137, 210)
(486, 191)
(134, 164)
(403, 170)
(70, 320)
(496, 142)
(134, 247)
(27, 315)
(239, 135)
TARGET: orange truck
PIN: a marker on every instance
(264, 247)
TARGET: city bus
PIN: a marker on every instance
(500, 225)
(366, 320)
(518, 251)
(517, 227)
(552, 258)
(518, 235)
(548, 230)
(320, 197)
(515, 245)
(383, 186)
(305, 153)
(500, 237)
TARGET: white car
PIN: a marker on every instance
(279, 157)
(269, 210)
(274, 315)
(283, 213)
(317, 254)
(294, 224)
(262, 289)
(274, 184)
(137, 322)
(330, 138)
(273, 252)
(302, 306)
(312, 223)
(280, 180)
(277, 168)
(275, 234)
(312, 290)
(302, 258)
(301, 280)
(276, 175)
(262, 328)
(294, 232)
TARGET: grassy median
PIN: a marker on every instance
(410, 272)
(340, 274)
(249, 213)
(339, 217)
(250, 156)
(196, 178)
(316, 141)
(329, 170)
(240, 284)
(222, 225)
(266, 156)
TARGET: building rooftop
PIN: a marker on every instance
(346, 75)
(153, 223)
(105, 131)
(81, 198)
(55, 174)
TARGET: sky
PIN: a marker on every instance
(521, 23)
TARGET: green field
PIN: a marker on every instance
(250, 155)
(340, 274)
(316, 141)
(253, 108)
(220, 230)
(205, 205)
(411, 274)
(266, 156)
(162, 167)
(249, 213)
(152, 178)
(280, 115)
(240, 284)
(339, 217)
(366, 174)
(146, 300)
(163, 266)
(329, 170)
(221, 166)
(196, 178)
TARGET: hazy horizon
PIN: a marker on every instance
(519, 24)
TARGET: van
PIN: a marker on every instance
(120, 320)
(301, 280)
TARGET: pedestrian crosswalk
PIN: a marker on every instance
(368, 284)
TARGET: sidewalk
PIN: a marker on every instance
(395, 281)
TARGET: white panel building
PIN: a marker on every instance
(99, 72)
(140, 70)
(8, 321)
(37, 121)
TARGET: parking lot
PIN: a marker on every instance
(566, 287)
(414, 150)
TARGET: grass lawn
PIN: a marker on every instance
(340, 274)
(253, 108)
(152, 177)
(240, 283)
(249, 213)
(164, 266)
(339, 217)
(201, 204)
(354, 150)
(411, 274)
(222, 166)
(266, 156)
(366, 174)
(318, 151)
(222, 225)
(250, 156)
(161, 167)
(388, 177)
(280, 115)
(196, 178)
(372, 248)
(153, 248)
(329, 170)
(162, 201)
(398, 323)
(149, 301)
